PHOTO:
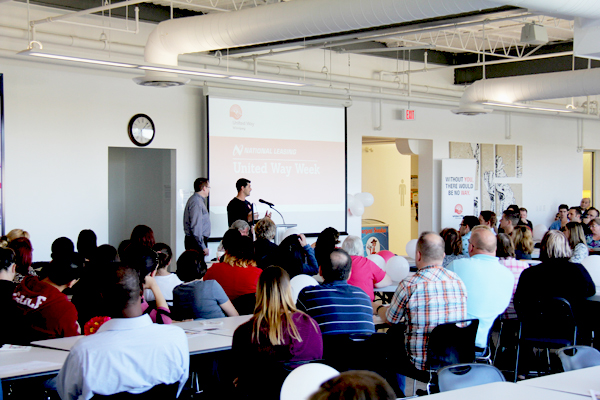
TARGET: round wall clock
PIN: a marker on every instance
(141, 130)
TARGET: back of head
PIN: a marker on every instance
(355, 385)
(240, 225)
(7, 258)
(326, 242)
(483, 241)
(164, 254)
(106, 254)
(141, 258)
(64, 270)
(504, 246)
(122, 246)
(87, 243)
(23, 252)
(471, 221)
(431, 246)
(353, 246)
(17, 233)
(242, 182)
(555, 246)
(190, 266)
(523, 239)
(512, 216)
(265, 229)
(143, 235)
(62, 248)
(120, 288)
(200, 183)
(452, 242)
(239, 249)
(513, 207)
(337, 266)
(290, 255)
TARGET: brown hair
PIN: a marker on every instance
(523, 239)
(355, 385)
(453, 243)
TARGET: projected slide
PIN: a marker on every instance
(293, 154)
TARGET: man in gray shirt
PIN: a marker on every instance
(196, 220)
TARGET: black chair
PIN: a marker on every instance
(162, 391)
(355, 351)
(462, 376)
(244, 304)
(546, 323)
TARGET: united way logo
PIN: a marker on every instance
(458, 208)
(238, 150)
(235, 111)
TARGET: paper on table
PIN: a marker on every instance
(14, 347)
(28, 366)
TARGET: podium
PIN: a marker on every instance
(281, 229)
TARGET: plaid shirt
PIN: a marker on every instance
(432, 296)
(516, 267)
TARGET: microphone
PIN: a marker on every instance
(265, 202)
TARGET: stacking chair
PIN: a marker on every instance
(355, 352)
(299, 282)
(461, 376)
(577, 357)
(546, 323)
(302, 382)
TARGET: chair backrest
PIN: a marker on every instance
(592, 265)
(302, 382)
(245, 303)
(577, 357)
(355, 351)
(547, 320)
(161, 391)
(539, 231)
(466, 375)
(452, 343)
(299, 282)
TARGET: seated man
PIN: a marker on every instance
(489, 284)
(338, 308)
(129, 353)
(432, 296)
(574, 214)
(585, 204)
(44, 312)
(563, 210)
(509, 221)
(467, 224)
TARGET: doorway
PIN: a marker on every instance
(140, 192)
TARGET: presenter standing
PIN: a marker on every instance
(239, 207)
(196, 220)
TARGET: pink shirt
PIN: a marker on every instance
(365, 273)
(516, 267)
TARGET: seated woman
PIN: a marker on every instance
(264, 248)
(143, 235)
(166, 281)
(198, 299)
(505, 251)
(237, 274)
(23, 258)
(277, 338)
(453, 245)
(488, 218)
(326, 242)
(296, 256)
(574, 233)
(593, 240)
(523, 241)
(365, 274)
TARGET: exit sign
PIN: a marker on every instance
(407, 115)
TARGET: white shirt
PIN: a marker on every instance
(166, 284)
(125, 355)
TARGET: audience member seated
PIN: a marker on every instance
(432, 296)
(128, 353)
(355, 385)
(296, 256)
(62, 248)
(524, 220)
(43, 311)
(585, 204)
(593, 239)
(237, 274)
(509, 221)
(505, 252)
(242, 226)
(165, 280)
(467, 224)
(145, 261)
(574, 233)
(326, 242)
(365, 273)
(452, 246)
(23, 258)
(523, 242)
(198, 299)
(15, 234)
(338, 308)
(143, 235)
(275, 340)
(7, 286)
(574, 214)
(489, 284)
(562, 220)
(87, 244)
(487, 218)
(556, 276)
(588, 216)
(264, 248)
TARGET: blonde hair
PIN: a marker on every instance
(238, 262)
(523, 239)
(17, 233)
(555, 245)
(265, 229)
(274, 307)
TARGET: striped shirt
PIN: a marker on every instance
(338, 308)
(432, 296)
(516, 267)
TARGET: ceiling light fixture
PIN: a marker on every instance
(527, 107)
(260, 80)
(38, 53)
(181, 71)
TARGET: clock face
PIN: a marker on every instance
(141, 130)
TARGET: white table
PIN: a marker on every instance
(576, 382)
(34, 362)
(64, 344)
(503, 391)
(216, 326)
